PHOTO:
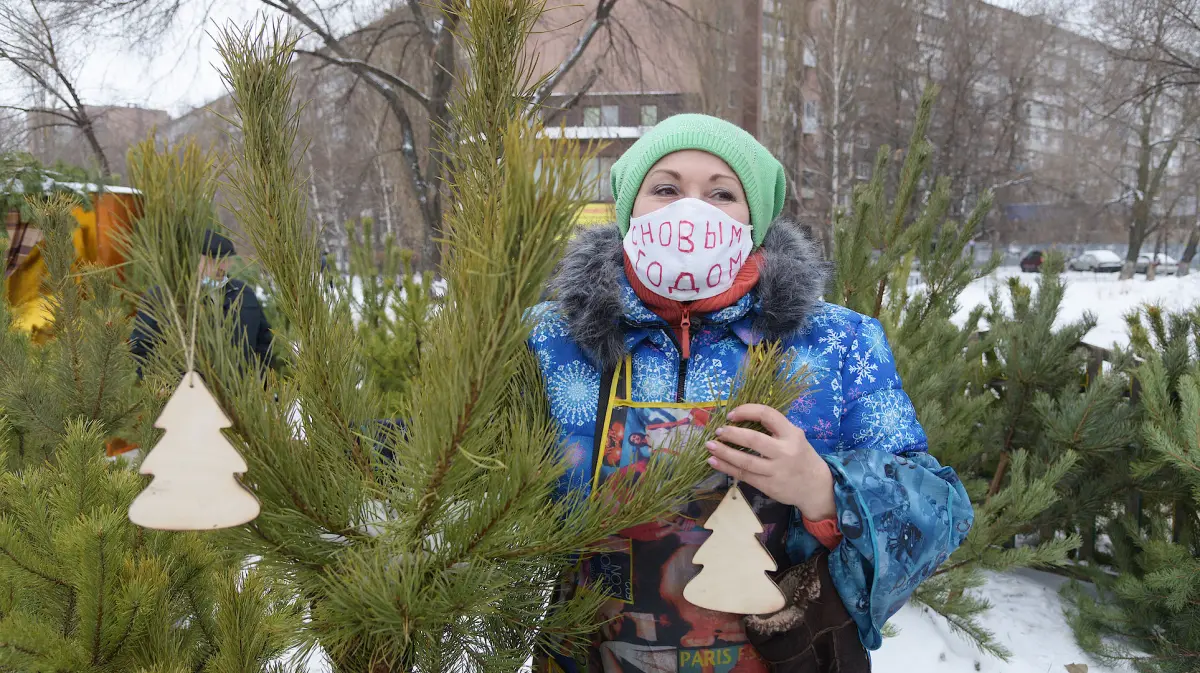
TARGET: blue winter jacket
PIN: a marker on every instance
(901, 514)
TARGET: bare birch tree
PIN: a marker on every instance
(788, 81)
(400, 50)
(1171, 50)
(1153, 116)
(847, 52)
(34, 40)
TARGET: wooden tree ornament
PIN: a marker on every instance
(734, 577)
(193, 465)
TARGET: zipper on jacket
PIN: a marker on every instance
(684, 346)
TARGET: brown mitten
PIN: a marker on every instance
(813, 633)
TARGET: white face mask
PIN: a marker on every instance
(688, 250)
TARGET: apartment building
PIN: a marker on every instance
(1026, 109)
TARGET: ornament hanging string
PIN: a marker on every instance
(190, 347)
(188, 341)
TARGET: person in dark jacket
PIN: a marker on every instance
(251, 326)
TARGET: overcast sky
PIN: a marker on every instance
(181, 77)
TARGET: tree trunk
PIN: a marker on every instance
(1087, 552)
(1159, 246)
(1182, 513)
(1189, 252)
(1137, 235)
(89, 132)
(1127, 270)
(835, 121)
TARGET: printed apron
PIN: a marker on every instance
(651, 627)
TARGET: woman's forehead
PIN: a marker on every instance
(693, 163)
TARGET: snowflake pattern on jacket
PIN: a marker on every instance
(901, 514)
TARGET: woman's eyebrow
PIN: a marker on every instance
(668, 171)
(720, 176)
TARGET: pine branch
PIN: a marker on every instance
(100, 595)
(17, 562)
(124, 638)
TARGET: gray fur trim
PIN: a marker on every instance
(588, 289)
(791, 282)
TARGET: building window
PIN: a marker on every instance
(810, 110)
(610, 115)
(649, 115)
(861, 140)
(808, 179)
(810, 56)
(602, 115)
(606, 164)
(599, 175)
(862, 170)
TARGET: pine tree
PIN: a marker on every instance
(954, 374)
(1147, 613)
(446, 557)
(392, 308)
(83, 589)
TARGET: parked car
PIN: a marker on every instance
(1166, 263)
(1102, 261)
(1032, 263)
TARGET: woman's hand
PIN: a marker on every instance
(787, 468)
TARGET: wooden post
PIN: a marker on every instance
(1095, 365)
(1088, 551)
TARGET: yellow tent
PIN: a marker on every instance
(112, 208)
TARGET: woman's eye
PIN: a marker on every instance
(723, 195)
(665, 190)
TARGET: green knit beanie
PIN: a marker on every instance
(761, 174)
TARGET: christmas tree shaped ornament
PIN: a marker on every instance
(193, 466)
(734, 577)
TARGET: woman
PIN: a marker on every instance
(650, 320)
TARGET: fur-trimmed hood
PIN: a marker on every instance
(590, 281)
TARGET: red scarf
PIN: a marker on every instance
(678, 314)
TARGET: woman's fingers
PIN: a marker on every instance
(740, 461)
(759, 481)
(771, 419)
(764, 445)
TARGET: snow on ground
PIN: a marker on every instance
(1026, 618)
(1101, 293)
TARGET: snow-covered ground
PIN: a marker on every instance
(1101, 293)
(1026, 618)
